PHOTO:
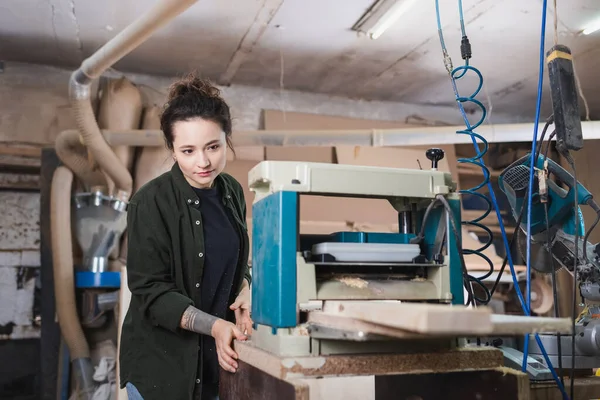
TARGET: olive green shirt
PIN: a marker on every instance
(165, 262)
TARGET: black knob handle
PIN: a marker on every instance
(435, 155)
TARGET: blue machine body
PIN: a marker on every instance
(514, 183)
(276, 242)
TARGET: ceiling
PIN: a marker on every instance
(308, 45)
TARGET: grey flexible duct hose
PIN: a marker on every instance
(93, 139)
(64, 281)
(120, 108)
(73, 154)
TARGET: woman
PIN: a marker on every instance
(187, 258)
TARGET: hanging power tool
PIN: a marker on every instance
(553, 231)
(559, 242)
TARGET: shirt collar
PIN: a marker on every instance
(188, 192)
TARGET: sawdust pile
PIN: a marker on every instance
(353, 282)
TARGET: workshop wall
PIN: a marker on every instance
(19, 264)
(35, 105)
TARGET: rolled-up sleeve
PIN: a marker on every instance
(148, 269)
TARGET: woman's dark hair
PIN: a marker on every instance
(193, 97)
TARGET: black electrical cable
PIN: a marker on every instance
(553, 275)
(466, 281)
(554, 290)
(421, 234)
(549, 121)
(571, 162)
(594, 206)
(549, 143)
(458, 241)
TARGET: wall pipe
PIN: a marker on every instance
(410, 136)
(89, 133)
(62, 260)
(91, 68)
(71, 151)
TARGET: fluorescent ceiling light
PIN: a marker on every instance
(382, 15)
(591, 28)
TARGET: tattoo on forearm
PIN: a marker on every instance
(197, 321)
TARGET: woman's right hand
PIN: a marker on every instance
(224, 332)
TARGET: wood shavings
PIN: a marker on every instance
(353, 282)
(302, 331)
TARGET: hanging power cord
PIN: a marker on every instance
(477, 160)
(471, 299)
(544, 199)
(571, 162)
(532, 165)
(549, 121)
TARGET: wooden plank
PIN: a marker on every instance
(520, 324)
(19, 165)
(19, 182)
(20, 151)
(415, 317)
(507, 325)
(250, 383)
(360, 364)
(357, 325)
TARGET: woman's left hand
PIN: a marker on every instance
(241, 306)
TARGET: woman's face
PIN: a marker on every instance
(200, 149)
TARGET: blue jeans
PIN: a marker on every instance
(132, 392)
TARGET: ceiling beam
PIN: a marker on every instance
(264, 16)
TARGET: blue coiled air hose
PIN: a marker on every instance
(477, 160)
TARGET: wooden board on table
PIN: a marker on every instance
(287, 367)
(415, 317)
(501, 325)
(420, 320)
(357, 325)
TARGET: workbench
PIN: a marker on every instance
(456, 374)
(586, 388)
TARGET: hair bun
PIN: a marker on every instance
(193, 84)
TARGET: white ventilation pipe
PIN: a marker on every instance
(79, 86)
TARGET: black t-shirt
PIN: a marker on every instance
(222, 246)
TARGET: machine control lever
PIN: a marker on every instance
(435, 155)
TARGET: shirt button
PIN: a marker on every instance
(200, 254)
(198, 222)
(197, 202)
(197, 285)
(189, 201)
(228, 196)
(197, 380)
